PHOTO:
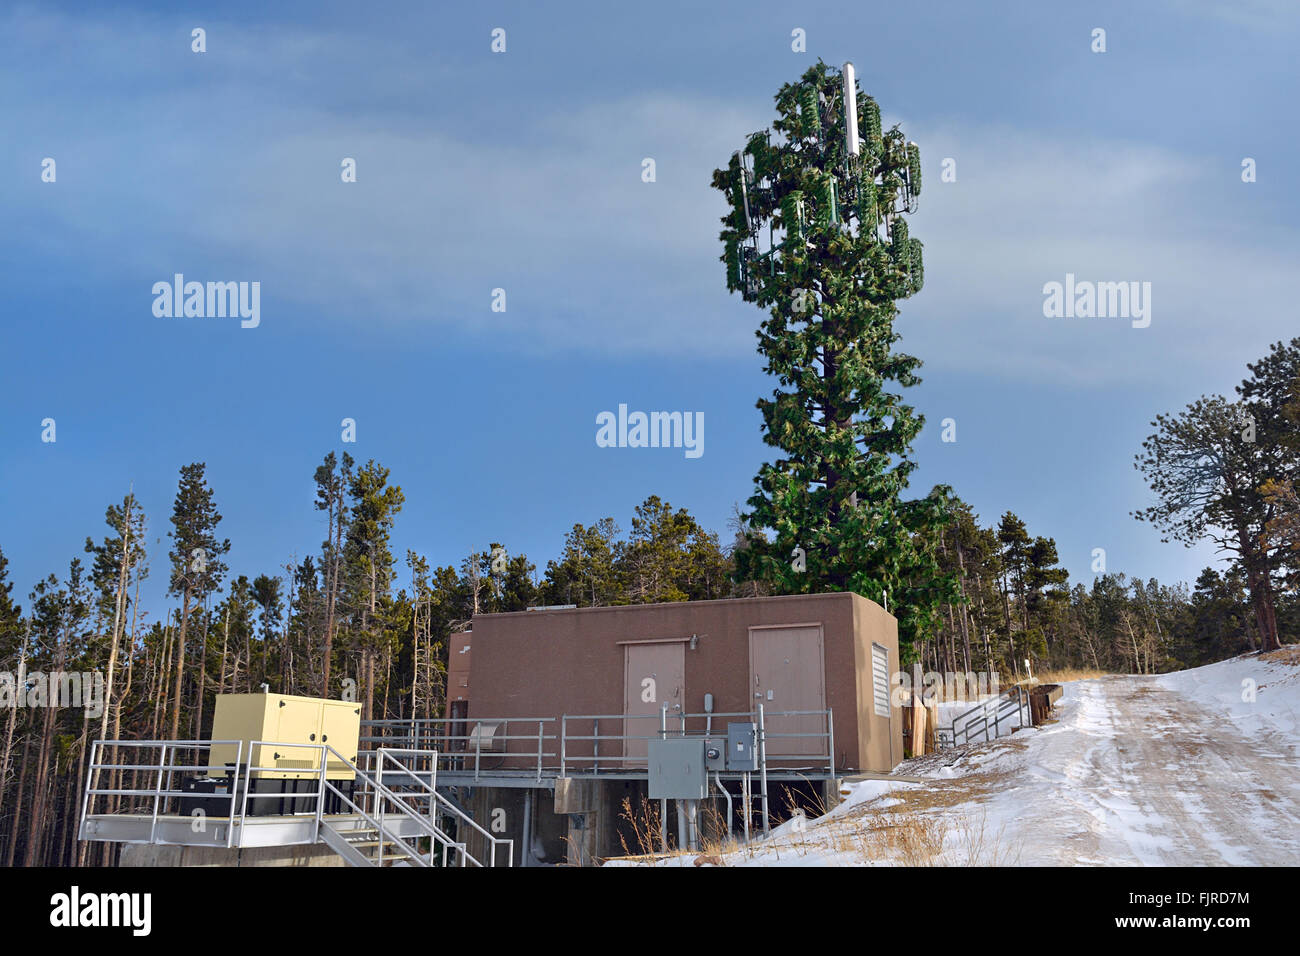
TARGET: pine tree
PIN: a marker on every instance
(367, 573)
(332, 483)
(587, 571)
(1207, 470)
(112, 564)
(13, 648)
(1046, 594)
(1015, 542)
(266, 592)
(1272, 397)
(237, 621)
(839, 258)
(197, 568)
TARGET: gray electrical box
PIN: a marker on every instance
(677, 769)
(742, 746)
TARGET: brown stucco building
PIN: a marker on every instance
(605, 680)
(801, 653)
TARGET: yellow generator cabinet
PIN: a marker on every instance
(291, 730)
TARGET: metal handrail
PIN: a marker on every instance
(999, 708)
(419, 728)
(383, 753)
(157, 791)
(463, 750)
(381, 831)
(241, 776)
(441, 801)
(418, 731)
(596, 759)
(380, 790)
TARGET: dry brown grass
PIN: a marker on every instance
(645, 846)
(930, 826)
(976, 846)
(904, 839)
(1065, 674)
(644, 822)
(1284, 655)
(903, 836)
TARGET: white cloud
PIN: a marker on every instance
(552, 208)
(1025, 210)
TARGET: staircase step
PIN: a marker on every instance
(336, 841)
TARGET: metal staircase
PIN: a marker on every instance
(388, 812)
(356, 844)
(399, 786)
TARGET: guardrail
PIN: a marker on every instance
(381, 798)
(155, 797)
(596, 743)
(138, 787)
(461, 741)
(428, 791)
(574, 743)
(986, 715)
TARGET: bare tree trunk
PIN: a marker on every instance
(287, 680)
(18, 805)
(115, 778)
(388, 680)
(180, 662)
(163, 694)
(40, 792)
(6, 760)
(369, 659)
(1261, 591)
(203, 679)
(73, 810)
(417, 599)
(248, 663)
(225, 644)
(118, 615)
(336, 514)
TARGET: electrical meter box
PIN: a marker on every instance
(677, 769)
(292, 728)
(742, 746)
(715, 754)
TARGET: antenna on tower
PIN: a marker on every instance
(744, 190)
(850, 109)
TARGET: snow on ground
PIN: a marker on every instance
(1259, 694)
(1199, 767)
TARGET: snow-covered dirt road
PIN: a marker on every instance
(1200, 767)
(1136, 771)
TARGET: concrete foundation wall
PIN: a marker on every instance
(138, 854)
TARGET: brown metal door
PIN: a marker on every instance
(653, 675)
(788, 675)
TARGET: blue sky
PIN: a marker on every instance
(522, 171)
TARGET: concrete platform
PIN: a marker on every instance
(313, 855)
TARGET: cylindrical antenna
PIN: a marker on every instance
(744, 190)
(850, 109)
